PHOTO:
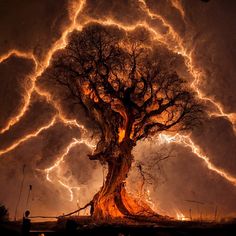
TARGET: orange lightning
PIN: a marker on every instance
(29, 92)
(28, 136)
(18, 53)
(178, 6)
(70, 122)
(187, 142)
(172, 36)
(65, 153)
(69, 188)
(40, 67)
(180, 49)
(61, 159)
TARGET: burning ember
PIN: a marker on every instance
(181, 216)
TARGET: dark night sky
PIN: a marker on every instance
(208, 30)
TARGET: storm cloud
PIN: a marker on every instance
(207, 30)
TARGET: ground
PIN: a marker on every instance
(86, 226)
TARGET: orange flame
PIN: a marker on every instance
(121, 133)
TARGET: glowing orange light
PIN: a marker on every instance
(121, 134)
(181, 216)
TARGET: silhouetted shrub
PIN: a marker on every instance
(4, 214)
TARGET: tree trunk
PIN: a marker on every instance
(112, 200)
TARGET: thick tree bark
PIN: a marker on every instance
(112, 200)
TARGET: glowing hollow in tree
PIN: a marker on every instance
(131, 93)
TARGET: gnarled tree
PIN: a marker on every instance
(130, 92)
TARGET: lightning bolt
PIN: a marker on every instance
(187, 55)
(178, 6)
(18, 53)
(69, 189)
(61, 159)
(27, 96)
(171, 40)
(187, 142)
(40, 68)
(27, 137)
(65, 153)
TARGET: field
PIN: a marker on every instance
(86, 226)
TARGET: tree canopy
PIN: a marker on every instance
(124, 85)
